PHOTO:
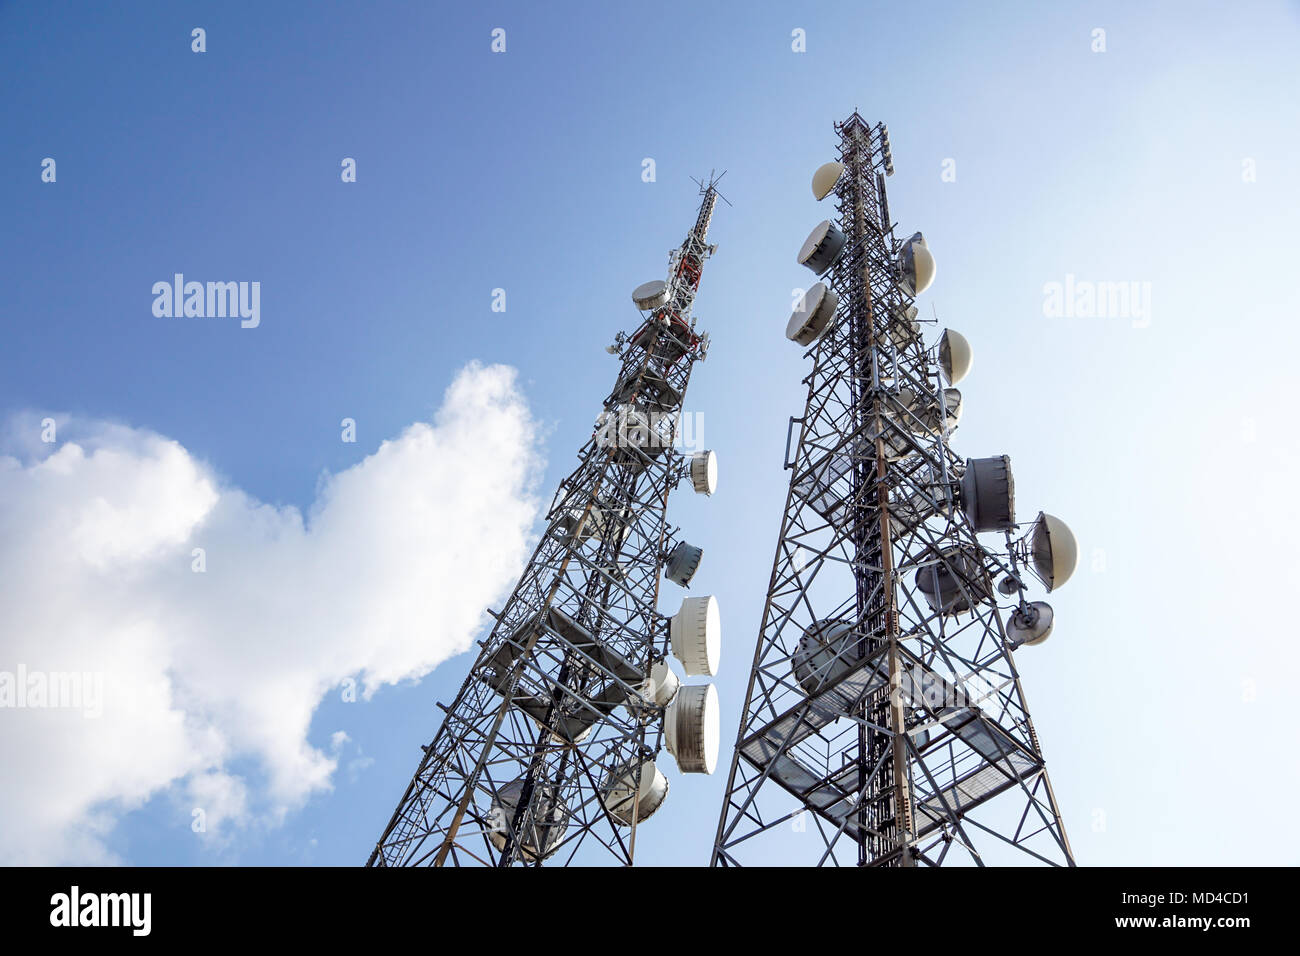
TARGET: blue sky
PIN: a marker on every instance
(1167, 445)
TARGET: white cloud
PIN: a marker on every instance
(386, 576)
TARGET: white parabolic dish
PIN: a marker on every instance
(955, 356)
(649, 296)
(822, 247)
(696, 632)
(814, 313)
(824, 180)
(704, 472)
(692, 727)
(651, 788)
(1054, 550)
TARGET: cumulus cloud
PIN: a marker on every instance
(384, 577)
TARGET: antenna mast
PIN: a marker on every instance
(884, 722)
(548, 751)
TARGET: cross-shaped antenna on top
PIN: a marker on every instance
(712, 184)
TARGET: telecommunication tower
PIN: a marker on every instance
(548, 752)
(885, 722)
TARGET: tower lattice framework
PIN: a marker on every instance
(547, 752)
(884, 722)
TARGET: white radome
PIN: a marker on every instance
(547, 830)
(916, 265)
(924, 268)
(649, 296)
(704, 472)
(649, 792)
(813, 315)
(696, 633)
(955, 356)
(692, 728)
(822, 247)
(1054, 550)
(662, 684)
(824, 180)
(827, 650)
(951, 586)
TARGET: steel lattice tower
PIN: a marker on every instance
(884, 722)
(547, 752)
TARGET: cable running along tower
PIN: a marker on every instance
(884, 722)
(548, 752)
